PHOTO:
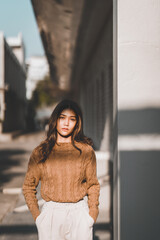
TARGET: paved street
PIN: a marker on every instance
(14, 157)
(15, 220)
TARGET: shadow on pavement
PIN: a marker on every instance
(102, 227)
(10, 158)
(28, 229)
(18, 229)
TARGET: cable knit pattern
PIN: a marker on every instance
(66, 176)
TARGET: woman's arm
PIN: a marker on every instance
(30, 184)
(93, 186)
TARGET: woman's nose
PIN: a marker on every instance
(66, 121)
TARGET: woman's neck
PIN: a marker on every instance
(61, 139)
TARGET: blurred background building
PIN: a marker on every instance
(74, 43)
(37, 69)
(12, 87)
(18, 48)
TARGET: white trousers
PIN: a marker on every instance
(65, 221)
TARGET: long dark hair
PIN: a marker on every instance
(46, 146)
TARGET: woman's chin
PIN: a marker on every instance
(65, 134)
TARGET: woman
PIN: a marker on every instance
(65, 163)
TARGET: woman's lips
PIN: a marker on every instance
(65, 129)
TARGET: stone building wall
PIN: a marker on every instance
(138, 119)
(93, 77)
(13, 92)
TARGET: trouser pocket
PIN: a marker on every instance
(89, 218)
(38, 219)
(41, 216)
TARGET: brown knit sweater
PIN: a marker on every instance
(66, 176)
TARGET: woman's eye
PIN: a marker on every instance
(72, 119)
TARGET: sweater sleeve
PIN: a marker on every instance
(30, 184)
(93, 190)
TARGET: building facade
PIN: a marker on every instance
(18, 48)
(37, 69)
(12, 90)
(138, 72)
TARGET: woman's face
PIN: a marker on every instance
(66, 122)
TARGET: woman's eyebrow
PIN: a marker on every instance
(66, 115)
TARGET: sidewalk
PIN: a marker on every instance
(18, 224)
(14, 157)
